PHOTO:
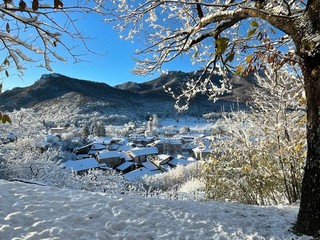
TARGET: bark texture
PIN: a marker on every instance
(308, 221)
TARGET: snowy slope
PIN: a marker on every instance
(35, 212)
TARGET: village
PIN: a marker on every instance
(147, 149)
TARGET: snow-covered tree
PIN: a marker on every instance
(85, 132)
(259, 155)
(25, 122)
(280, 100)
(98, 129)
(102, 130)
(241, 36)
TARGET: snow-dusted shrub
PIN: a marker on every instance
(172, 180)
(192, 189)
(247, 176)
(100, 181)
(3, 168)
(46, 167)
(36, 165)
(259, 156)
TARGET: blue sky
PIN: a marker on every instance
(112, 65)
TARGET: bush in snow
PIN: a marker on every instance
(101, 181)
(170, 183)
(259, 156)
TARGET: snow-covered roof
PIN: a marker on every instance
(103, 140)
(191, 159)
(93, 151)
(173, 141)
(108, 154)
(124, 148)
(85, 146)
(82, 156)
(178, 161)
(57, 130)
(144, 151)
(150, 166)
(81, 165)
(98, 146)
(114, 146)
(125, 156)
(124, 166)
(123, 142)
(189, 146)
(139, 173)
(162, 157)
(104, 166)
(166, 167)
(201, 149)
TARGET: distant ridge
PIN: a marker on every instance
(56, 91)
(52, 86)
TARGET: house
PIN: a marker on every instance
(125, 156)
(111, 158)
(201, 152)
(83, 150)
(141, 139)
(140, 155)
(114, 143)
(150, 166)
(96, 147)
(161, 159)
(187, 149)
(124, 148)
(126, 167)
(81, 165)
(113, 147)
(170, 146)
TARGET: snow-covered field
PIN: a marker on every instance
(30, 211)
(191, 122)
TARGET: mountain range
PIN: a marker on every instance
(56, 92)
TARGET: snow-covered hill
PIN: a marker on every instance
(55, 95)
(38, 212)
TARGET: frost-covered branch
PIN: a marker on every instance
(210, 33)
(35, 29)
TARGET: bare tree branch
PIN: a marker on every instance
(45, 24)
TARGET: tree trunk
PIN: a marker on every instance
(308, 221)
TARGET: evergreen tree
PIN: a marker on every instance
(101, 130)
(85, 132)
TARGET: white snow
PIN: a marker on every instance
(139, 173)
(104, 154)
(150, 166)
(81, 165)
(29, 211)
(124, 166)
(192, 122)
(144, 151)
(179, 161)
